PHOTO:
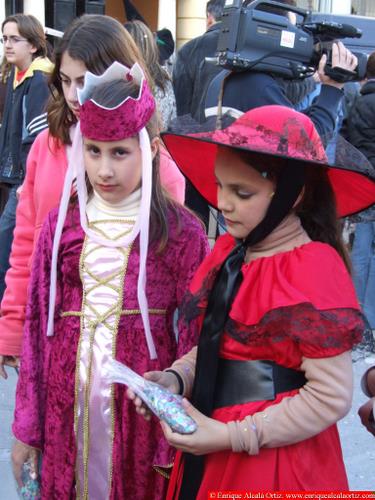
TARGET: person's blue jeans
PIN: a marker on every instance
(7, 224)
(363, 259)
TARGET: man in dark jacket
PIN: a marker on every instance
(360, 131)
(249, 89)
(24, 115)
(360, 124)
(191, 72)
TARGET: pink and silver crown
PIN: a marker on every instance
(127, 118)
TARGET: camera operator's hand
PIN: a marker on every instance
(341, 58)
(366, 414)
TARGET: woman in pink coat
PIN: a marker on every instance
(81, 49)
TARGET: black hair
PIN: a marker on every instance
(215, 8)
(370, 68)
(317, 206)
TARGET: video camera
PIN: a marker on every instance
(260, 36)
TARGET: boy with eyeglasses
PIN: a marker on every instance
(25, 70)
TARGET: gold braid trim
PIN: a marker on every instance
(86, 419)
(114, 346)
(76, 388)
(164, 470)
(92, 325)
(124, 312)
(94, 226)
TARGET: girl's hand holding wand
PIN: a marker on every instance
(22, 453)
(165, 379)
(210, 436)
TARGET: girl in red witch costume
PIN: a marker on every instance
(272, 372)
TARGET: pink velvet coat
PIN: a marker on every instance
(41, 191)
(46, 390)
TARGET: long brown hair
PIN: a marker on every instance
(318, 213)
(317, 206)
(110, 95)
(97, 41)
(30, 28)
(145, 41)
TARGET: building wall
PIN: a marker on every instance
(360, 7)
(191, 20)
(34, 7)
(115, 9)
(167, 15)
(147, 8)
(364, 7)
(186, 18)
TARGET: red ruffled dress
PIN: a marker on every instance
(299, 303)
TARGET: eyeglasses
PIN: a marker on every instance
(12, 39)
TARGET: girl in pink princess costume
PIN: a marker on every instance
(111, 267)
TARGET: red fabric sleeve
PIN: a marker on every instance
(305, 296)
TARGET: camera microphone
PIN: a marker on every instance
(341, 30)
(254, 37)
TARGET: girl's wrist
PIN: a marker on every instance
(179, 381)
(226, 442)
(243, 436)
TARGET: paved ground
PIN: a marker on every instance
(7, 389)
(358, 444)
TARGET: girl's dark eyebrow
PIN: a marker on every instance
(66, 76)
(122, 148)
(235, 185)
(241, 187)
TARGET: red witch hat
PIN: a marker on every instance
(274, 132)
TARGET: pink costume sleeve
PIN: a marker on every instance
(17, 278)
(187, 263)
(28, 425)
(39, 195)
(171, 178)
